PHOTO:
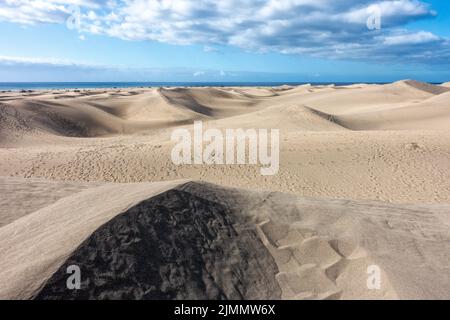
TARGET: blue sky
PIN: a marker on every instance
(208, 40)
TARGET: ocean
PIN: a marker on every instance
(17, 86)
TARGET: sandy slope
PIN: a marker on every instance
(33, 246)
(19, 198)
(359, 142)
(420, 115)
(195, 240)
(380, 142)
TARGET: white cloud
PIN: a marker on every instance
(41, 11)
(321, 28)
(411, 38)
(14, 60)
(198, 73)
(210, 49)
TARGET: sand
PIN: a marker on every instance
(364, 179)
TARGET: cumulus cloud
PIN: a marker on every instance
(411, 38)
(31, 12)
(319, 28)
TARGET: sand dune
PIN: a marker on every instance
(59, 228)
(433, 89)
(87, 179)
(93, 116)
(338, 100)
(295, 118)
(432, 113)
(224, 243)
(209, 102)
(19, 197)
(117, 113)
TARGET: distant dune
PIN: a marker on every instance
(117, 112)
(86, 179)
(336, 141)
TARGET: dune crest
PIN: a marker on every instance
(433, 89)
(195, 240)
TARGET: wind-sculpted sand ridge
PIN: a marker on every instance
(172, 246)
(433, 89)
(429, 114)
(196, 240)
(19, 197)
(34, 246)
(107, 114)
(378, 142)
(91, 117)
(87, 179)
(290, 118)
(118, 112)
